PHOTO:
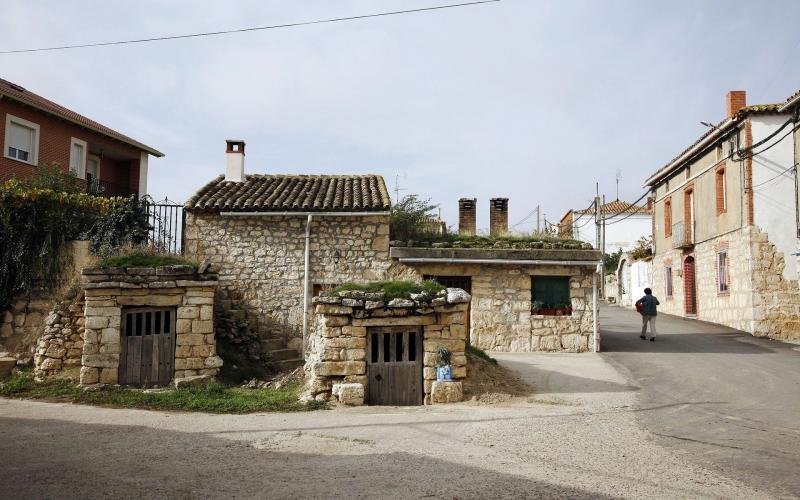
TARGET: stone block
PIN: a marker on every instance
(100, 360)
(354, 331)
(189, 312)
(192, 380)
(91, 310)
(6, 365)
(429, 373)
(89, 375)
(189, 363)
(459, 372)
(454, 345)
(200, 351)
(457, 296)
(206, 312)
(446, 392)
(550, 343)
(183, 351)
(359, 379)
(351, 394)
(96, 322)
(183, 326)
(190, 339)
(346, 343)
(333, 321)
(355, 354)
(213, 362)
(333, 310)
(109, 375)
(153, 300)
(575, 342)
(199, 301)
(396, 321)
(334, 368)
(110, 336)
(330, 332)
(199, 326)
(50, 364)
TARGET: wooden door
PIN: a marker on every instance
(148, 347)
(689, 286)
(394, 366)
(462, 282)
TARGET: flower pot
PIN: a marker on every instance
(559, 312)
(444, 373)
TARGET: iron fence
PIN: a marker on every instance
(167, 222)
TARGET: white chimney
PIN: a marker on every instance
(234, 164)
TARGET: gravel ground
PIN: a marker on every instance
(576, 438)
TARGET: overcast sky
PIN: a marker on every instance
(530, 100)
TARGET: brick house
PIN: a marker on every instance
(37, 131)
(725, 223)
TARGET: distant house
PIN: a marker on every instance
(36, 131)
(726, 222)
(625, 225)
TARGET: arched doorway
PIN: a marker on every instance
(689, 287)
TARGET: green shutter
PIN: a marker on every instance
(551, 290)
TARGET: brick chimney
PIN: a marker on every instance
(498, 216)
(467, 215)
(234, 163)
(735, 100)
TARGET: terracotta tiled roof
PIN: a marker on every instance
(617, 207)
(13, 91)
(294, 193)
(792, 100)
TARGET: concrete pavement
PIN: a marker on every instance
(717, 396)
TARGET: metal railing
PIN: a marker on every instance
(682, 236)
(106, 188)
(166, 219)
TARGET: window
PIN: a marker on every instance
(21, 140)
(77, 157)
(668, 281)
(550, 295)
(668, 217)
(723, 284)
(721, 195)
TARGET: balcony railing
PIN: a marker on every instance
(682, 236)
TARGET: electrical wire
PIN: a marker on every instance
(781, 174)
(243, 30)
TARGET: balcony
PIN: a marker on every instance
(682, 236)
(104, 188)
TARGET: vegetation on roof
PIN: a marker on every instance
(522, 242)
(392, 289)
(144, 257)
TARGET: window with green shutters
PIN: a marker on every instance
(550, 295)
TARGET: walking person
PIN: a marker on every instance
(647, 307)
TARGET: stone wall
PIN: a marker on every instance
(60, 347)
(336, 360)
(760, 301)
(260, 261)
(500, 311)
(109, 290)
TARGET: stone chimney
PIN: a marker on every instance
(735, 100)
(234, 164)
(467, 215)
(498, 216)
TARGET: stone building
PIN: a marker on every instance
(726, 223)
(277, 240)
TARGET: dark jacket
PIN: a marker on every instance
(649, 304)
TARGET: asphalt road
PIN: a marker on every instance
(719, 397)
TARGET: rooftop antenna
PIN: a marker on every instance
(397, 187)
(619, 176)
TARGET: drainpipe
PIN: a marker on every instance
(594, 307)
(305, 282)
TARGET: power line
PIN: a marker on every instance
(781, 174)
(243, 30)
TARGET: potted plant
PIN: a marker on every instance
(537, 306)
(444, 371)
(559, 309)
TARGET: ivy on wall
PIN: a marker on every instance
(38, 216)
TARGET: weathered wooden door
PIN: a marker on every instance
(394, 365)
(148, 347)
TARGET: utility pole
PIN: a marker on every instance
(603, 249)
(538, 218)
(597, 222)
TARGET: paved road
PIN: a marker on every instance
(720, 397)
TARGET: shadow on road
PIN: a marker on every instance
(58, 459)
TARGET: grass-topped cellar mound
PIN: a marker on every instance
(391, 289)
(144, 258)
(212, 398)
(517, 242)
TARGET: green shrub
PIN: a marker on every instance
(393, 289)
(144, 257)
(409, 217)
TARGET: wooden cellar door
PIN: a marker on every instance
(148, 347)
(689, 286)
(394, 365)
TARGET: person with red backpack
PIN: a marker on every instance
(646, 306)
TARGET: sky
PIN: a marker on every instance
(528, 100)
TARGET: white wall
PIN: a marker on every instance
(622, 234)
(774, 194)
(633, 277)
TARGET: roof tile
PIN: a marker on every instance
(294, 193)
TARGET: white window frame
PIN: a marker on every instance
(669, 291)
(34, 156)
(73, 141)
(722, 271)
